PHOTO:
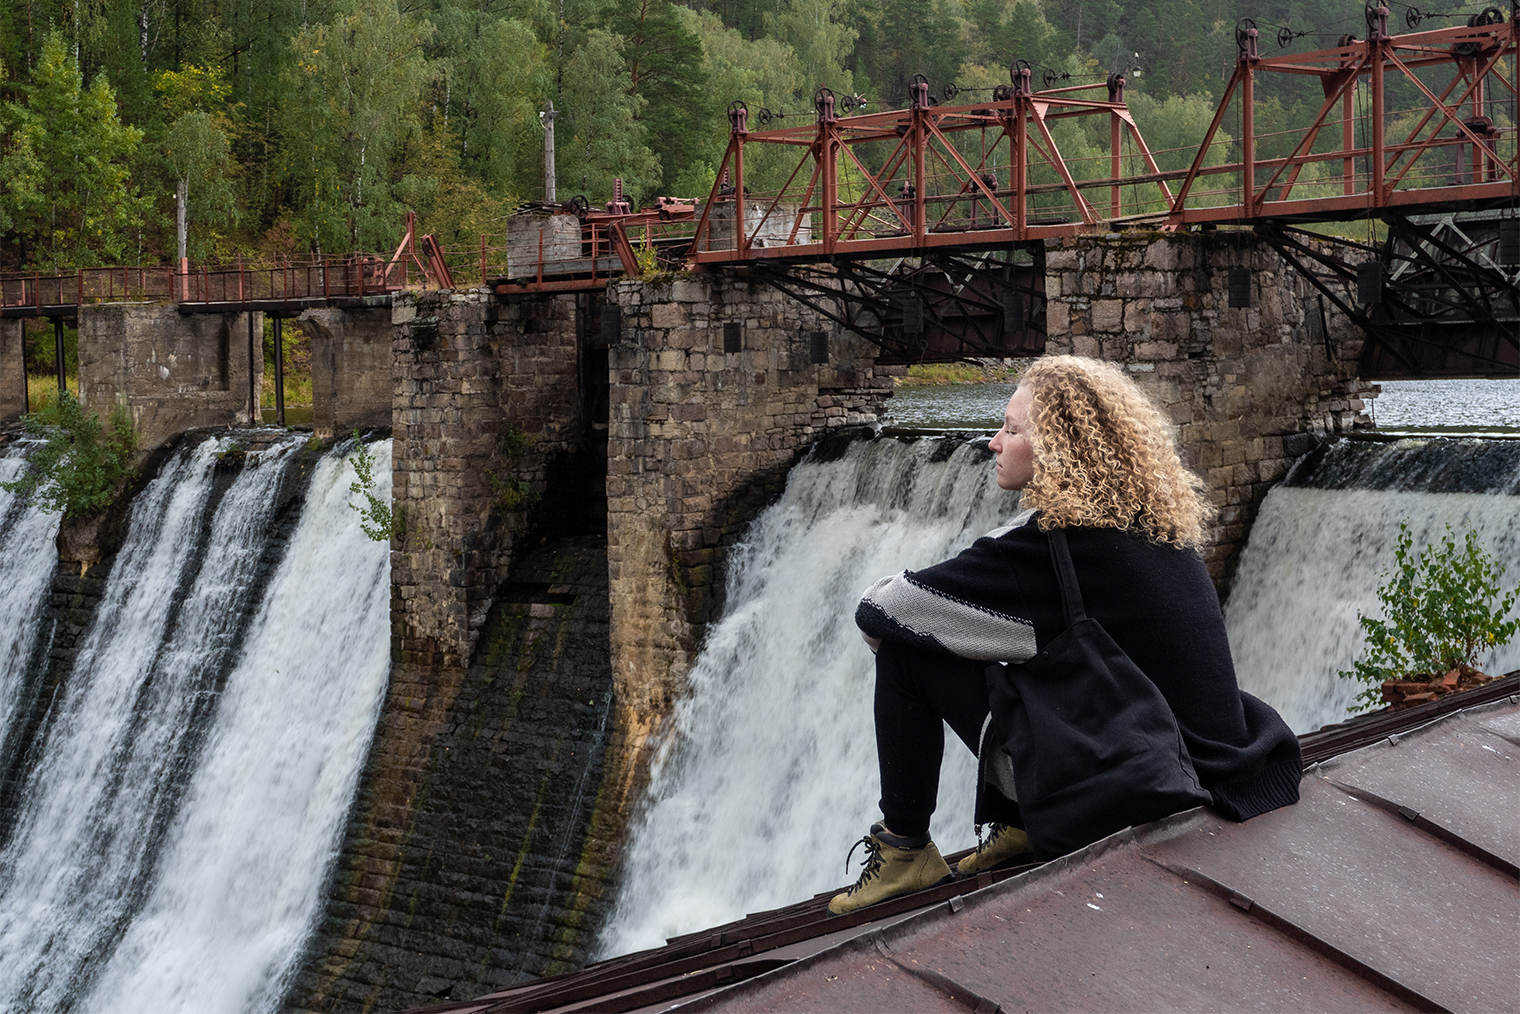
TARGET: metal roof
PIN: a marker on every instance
(1394, 884)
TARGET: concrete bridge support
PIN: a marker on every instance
(12, 375)
(700, 437)
(173, 371)
(351, 383)
(1250, 388)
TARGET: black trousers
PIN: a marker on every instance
(918, 693)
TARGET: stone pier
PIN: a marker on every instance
(700, 437)
(1249, 388)
(350, 368)
(173, 371)
(12, 374)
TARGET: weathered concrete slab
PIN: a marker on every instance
(12, 372)
(350, 368)
(173, 371)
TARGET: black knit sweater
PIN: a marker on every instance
(999, 601)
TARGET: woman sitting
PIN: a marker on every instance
(1095, 459)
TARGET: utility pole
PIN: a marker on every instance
(547, 117)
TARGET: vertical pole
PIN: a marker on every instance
(1348, 135)
(1020, 161)
(920, 179)
(739, 193)
(1248, 141)
(279, 373)
(1376, 47)
(548, 117)
(253, 397)
(1480, 164)
(1115, 137)
(58, 349)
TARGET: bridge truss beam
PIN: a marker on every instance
(1436, 300)
(942, 307)
(928, 177)
(1345, 165)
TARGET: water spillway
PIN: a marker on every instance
(768, 771)
(1324, 541)
(27, 558)
(187, 783)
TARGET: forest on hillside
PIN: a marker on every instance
(296, 126)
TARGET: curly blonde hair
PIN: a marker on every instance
(1104, 456)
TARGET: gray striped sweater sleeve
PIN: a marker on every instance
(899, 608)
(961, 607)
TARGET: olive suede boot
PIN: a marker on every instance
(1005, 844)
(893, 866)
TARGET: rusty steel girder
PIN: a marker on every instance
(1454, 158)
(943, 307)
(925, 178)
(1439, 298)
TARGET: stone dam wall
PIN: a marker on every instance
(569, 473)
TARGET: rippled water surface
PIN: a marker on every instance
(1442, 406)
(1461, 406)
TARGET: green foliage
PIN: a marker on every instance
(358, 90)
(513, 494)
(68, 194)
(82, 461)
(607, 139)
(377, 519)
(1443, 611)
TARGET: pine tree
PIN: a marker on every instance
(69, 193)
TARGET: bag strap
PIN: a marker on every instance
(1066, 577)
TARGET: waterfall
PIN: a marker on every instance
(768, 773)
(27, 557)
(197, 763)
(1323, 542)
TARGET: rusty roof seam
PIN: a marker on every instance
(1429, 827)
(956, 990)
(1296, 933)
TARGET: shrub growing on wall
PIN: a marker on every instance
(82, 462)
(1442, 611)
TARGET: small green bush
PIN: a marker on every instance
(1442, 611)
(377, 519)
(82, 462)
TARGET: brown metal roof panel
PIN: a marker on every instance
(1124, 934)
(1369, 883)
(1114, 932)
(1460, 773)
(1503, 724)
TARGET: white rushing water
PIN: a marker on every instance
(199, 760)
(1316, 558)
(27, 557)
(769, 772)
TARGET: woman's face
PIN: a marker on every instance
(1015, 454)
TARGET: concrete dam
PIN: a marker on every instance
(294, 770)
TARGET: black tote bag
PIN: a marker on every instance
(1094, 745)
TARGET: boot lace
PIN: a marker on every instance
(993, 830)
(869, 865)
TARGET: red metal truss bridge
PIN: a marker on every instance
(921, 228)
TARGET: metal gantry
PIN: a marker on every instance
(923, 178)
(1345, 165)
